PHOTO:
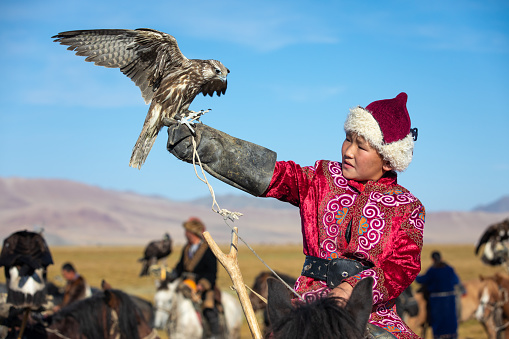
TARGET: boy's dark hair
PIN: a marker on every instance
(436, 256)
(68, 267)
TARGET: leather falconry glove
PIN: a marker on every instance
(239, 163)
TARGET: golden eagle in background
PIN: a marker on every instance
(155, 250)
(152, 59)
(25, 257)
(495, 240)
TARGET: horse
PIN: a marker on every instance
(406, 304)
(493, 309)
(327, 317)
(110, 314)
(145, 306)
(260, 287)
(181, 317)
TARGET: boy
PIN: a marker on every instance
(356, 220)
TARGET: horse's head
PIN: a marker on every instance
(314, 319)
(491, 297)
(260, 287)
(163, 302)
(127, 318)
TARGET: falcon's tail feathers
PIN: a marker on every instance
(147, 137)
(141, 150)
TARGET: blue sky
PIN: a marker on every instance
(297, 67)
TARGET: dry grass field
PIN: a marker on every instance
(119, 266)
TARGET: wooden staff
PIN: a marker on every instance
(24, 322)
(231, 265)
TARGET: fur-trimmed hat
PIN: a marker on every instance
(386, 126)
(194, 225)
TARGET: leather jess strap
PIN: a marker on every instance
(332, 271)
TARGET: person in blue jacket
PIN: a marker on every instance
(440, 281)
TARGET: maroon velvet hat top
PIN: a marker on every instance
(392, 117)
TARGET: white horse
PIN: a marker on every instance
(177, 314)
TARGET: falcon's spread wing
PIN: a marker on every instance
(154, 251)
(144, 55)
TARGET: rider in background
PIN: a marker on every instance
(76, 287)
(199, 264)
(440, 281)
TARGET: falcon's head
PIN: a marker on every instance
(214, 77)
(213, 69)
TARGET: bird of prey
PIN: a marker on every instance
(25, 257)
(495, 239)
(167, 79)
(154, 251)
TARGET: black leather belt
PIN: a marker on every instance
(332, 271)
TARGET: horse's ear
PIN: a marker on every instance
(361, 302)
(278, 301)
(111, 299)
(105, 285)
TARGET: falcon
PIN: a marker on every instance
(25, 257)
(168, 80)
(154, 251)
(495, 239)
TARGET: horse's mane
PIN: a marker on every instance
(322, 318)
(88, 315)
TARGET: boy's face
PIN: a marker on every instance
(360, 161)
(68, 275)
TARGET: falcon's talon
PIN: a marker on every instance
(188, 122)
(192, 118)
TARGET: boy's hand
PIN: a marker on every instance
(343, 291)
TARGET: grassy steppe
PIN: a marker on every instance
(119, 266)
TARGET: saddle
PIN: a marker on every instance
(375, 332)
(188, 289)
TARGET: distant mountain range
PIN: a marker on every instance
(73, 213)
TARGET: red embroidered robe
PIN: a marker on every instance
(387, 224)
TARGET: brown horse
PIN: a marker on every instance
(145, 306)
(260, 286)
(110, 315)
(493, 310)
